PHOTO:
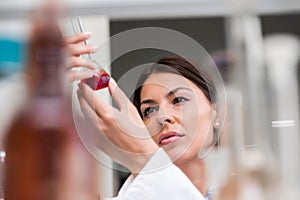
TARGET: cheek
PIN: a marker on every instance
(152, 127)
(198, 124)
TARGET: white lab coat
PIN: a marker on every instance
(160, 179)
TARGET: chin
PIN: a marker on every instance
(179, 155)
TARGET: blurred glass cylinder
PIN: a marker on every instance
(257, 174)
(282, 53)
(2, 157)
(45, 158)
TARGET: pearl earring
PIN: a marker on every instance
(216, 124)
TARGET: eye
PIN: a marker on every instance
(150, 110)
(179, 100)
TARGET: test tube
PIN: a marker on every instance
(100, 79)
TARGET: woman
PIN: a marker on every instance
(173, 120)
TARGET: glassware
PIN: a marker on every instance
(101, 79)
(45, 157)
(2, 158)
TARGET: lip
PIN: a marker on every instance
(169, 137)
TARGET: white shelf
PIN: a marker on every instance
(133, 9)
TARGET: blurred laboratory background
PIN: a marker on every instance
(256, 47)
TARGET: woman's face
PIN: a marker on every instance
(178, 115)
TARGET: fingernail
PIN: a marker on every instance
(87, 33)
(112, 82)
(93, 67)
(95, 48)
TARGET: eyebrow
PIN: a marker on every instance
(172, 92)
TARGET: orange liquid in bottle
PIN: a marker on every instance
(45, 159)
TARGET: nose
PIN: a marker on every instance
(165, 116)
(163, 121)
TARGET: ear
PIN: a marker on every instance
(215, 111)
(215, 117)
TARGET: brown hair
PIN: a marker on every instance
(177, 65)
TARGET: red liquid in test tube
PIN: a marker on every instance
(98, 80)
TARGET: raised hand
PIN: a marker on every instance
(75, 48)
(123, 135)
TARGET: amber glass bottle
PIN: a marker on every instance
(45, 159)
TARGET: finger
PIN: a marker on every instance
(100, 106)
(102, 141)
(118, 95)
(90, 115)
(74, 75)
(79, 49)
(80, 37)
(88, 112)
(80, 62)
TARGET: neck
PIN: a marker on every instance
(196, 171)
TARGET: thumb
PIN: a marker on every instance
(117, 94)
